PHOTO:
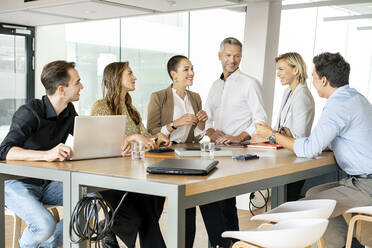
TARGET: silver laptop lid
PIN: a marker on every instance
(98, 136)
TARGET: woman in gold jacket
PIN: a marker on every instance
(140, 212)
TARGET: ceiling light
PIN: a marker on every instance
(364, 28)
(172, 3)
(235, 1)
(90, 12)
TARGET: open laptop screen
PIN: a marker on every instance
(98, 136)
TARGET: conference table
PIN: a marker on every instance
(273, 169)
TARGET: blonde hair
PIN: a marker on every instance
(295, 60)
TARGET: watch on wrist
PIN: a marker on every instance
(172, 126)
(272, 139)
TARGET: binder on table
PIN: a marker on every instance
(265, 145)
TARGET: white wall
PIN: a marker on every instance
(260, 47)
(50, 45)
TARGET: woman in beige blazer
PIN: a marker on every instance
(176, 111)
(297, 108)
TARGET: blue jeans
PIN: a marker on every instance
(27, 201)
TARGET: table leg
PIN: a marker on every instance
(278, 196)
(66, 211)
(176, 219)
(2, 216)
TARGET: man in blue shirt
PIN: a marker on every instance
(345, 126)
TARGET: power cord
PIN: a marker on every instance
(86, 212)
(266, 200)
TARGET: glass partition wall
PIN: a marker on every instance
(16, 71)
(147, 42)
(309, 32)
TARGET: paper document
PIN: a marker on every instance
(70, 141)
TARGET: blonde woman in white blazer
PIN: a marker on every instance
(297, 109)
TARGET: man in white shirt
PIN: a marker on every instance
(234, 105)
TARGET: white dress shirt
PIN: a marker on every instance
(235, 105)
(181, 107)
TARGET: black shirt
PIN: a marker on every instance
(36, 126)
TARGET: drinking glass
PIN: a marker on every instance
(211, 149)
(137, 150)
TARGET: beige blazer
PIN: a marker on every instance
(298, 113)
(160, 110)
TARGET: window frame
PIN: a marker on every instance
(29, 33)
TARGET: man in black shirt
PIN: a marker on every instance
(37, 133)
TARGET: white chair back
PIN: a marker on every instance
(360, 210)
(322, 208)
(293, 233)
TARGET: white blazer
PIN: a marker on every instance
(297, 113)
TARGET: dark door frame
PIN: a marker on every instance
(29, 34)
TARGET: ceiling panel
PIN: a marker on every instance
(353, 7)
(361, 9)
(30, 18)
(92, 10)
(177, 5)
(45, 12)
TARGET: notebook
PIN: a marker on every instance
(98, 136)
(183, 166)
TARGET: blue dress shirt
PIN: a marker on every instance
(345, 126)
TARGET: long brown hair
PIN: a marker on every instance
(111, 89)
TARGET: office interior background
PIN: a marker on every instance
(34, 33)
(148, 41)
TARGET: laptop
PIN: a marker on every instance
(98, 136)
(183, 167)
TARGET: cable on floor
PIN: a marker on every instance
(266, 200)
(84, 223)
